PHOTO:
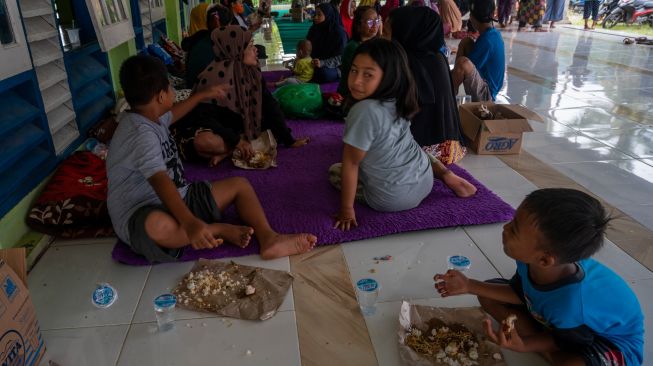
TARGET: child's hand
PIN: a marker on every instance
(451, 283)
(217, 92)
(316, 62)
(246, 150)
(199, 235)
(346, 219)
(512, 341)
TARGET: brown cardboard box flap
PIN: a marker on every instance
(15, 259)
(523, 111)
(507, 125)
(469, 122)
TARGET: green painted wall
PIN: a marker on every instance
(173, 20)
(12, 225)
(116, 57)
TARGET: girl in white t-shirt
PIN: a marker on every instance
(382, 164)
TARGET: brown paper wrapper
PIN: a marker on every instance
(420, 316)
(265, 147)
(271, 289)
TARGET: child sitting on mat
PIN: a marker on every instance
(382, 165)
(152, 207)
(302, 66)
(569, 307)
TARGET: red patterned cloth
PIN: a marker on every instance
(74, 202)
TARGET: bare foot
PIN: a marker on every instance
(301, 142)
(283, 245)
(461, 187)
(234, 234)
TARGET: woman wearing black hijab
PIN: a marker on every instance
(328, 37)
(437, 125)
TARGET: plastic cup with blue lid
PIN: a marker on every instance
(164, 308)
(458, 262)
(367, 290)
(104, 296)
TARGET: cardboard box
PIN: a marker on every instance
(496, 136)
(20, 341)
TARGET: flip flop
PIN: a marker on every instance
(539, 30)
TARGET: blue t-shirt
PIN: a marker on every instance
(595, 298)
(489, 58)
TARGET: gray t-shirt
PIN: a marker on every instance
(395, 173)
(139, 149)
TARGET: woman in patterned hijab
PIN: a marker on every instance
(236, 64)
(213, 129)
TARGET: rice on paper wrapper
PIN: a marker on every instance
(233, 290)
(470, 317)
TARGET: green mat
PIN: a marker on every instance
(291, 32)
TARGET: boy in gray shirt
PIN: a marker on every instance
(152, 207)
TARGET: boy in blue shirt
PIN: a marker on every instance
(480, 66)
(570, 308)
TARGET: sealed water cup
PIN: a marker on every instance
(164, 308)
(458, 262)
(104, 296)
(367, 290)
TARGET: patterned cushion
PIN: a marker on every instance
(74, 202)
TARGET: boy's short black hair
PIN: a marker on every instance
(224, 14)
(572, 223)
(142, 77)
(397, 83)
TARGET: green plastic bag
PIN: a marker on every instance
(300, 100)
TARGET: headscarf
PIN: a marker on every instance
(198, 19)
(344, 15)
(229, 44)
(419, 31)
(329, 37)
(388, 7)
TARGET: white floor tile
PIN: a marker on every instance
(165, 277)
(417, 257)
(488, 240)
(63, 281)
(98, 346)
(636, 142)
(568, 147)
(621, 183)
(214, 341)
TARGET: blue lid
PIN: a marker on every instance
(165, 301)
(104, 295)
(367, 284)
(459, 261)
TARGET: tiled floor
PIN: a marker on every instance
(596, 95)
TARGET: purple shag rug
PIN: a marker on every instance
(297, 197)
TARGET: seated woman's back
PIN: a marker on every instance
(419, 31)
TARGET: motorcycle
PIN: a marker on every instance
(630, 12)
(607, 7)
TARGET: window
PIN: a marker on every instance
(6, 31)
(111, 21)
(113, 11)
